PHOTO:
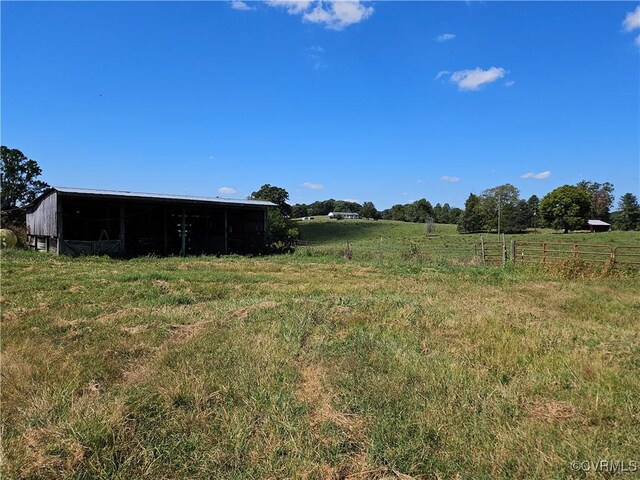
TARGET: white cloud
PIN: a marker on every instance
(442, 74)
(447, 178)
(317, 49)
(313, 186)
(632, 20)
(637, 41)
(353, 200)
(333, 14)
(474, 79)
(537, 176)
(293, 7)
(509, 83)
(445, 36)
(227, 190)
(240, 5)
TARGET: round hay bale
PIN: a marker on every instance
(8, 239)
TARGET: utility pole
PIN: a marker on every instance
(499, 199)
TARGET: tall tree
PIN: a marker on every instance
(601, 198)
(282, 232)
(471, 219)
(566, 208)
(19, 184)
(499, 205)
(368, 210)
(277, 195)
(534, 209)
(628, 214)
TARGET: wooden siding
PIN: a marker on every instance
(42, 221)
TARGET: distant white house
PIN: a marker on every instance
(343, 215)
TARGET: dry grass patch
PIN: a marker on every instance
(49, 453)
(552, 411)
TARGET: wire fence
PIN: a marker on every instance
(489, 253)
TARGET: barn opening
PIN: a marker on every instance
(73, 221)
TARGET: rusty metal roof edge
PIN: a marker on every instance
(159, 196)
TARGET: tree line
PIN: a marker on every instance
(416, 212)
(566, 208)
(496, 209)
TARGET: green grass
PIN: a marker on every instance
(313, 366)
(393, 241)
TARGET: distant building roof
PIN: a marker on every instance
(598, 222)
(156, 196)
(342, 213)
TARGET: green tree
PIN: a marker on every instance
(628, 214)
(566, 208)
(299, 210)
(601, 195)
(19, 184)
(471, 219)
(368, 210)
(322, 207)
(277, 195)
(501, 201)
(397, 212)
(282, 233)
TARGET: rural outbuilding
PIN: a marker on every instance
(598, 226)
(76, 221)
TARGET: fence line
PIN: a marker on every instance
(490, 253)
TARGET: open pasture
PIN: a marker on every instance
(313, 366)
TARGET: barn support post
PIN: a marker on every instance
(60, 229)
(165, 238)
(226, 232)
(122, 249)
(183, 234)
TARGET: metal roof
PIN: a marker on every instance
(161, 196)
(598, 222)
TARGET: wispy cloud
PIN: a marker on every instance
(445, 37)
(317, 58)
(637, 41)
(227, 190)
(442, 74)
(474, 79)
(333, 14)
(632, 20)
(450, 179)
(509, 83)
(537, 176)
(352, 200)
(313, 186)
(240, 5)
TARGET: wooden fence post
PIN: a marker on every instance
(544, 253)
(482, 248)
(513, 251)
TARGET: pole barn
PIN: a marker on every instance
(75, 221)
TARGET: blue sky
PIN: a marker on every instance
(380, 101)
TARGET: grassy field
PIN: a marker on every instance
(371, 240)
(313, 366)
